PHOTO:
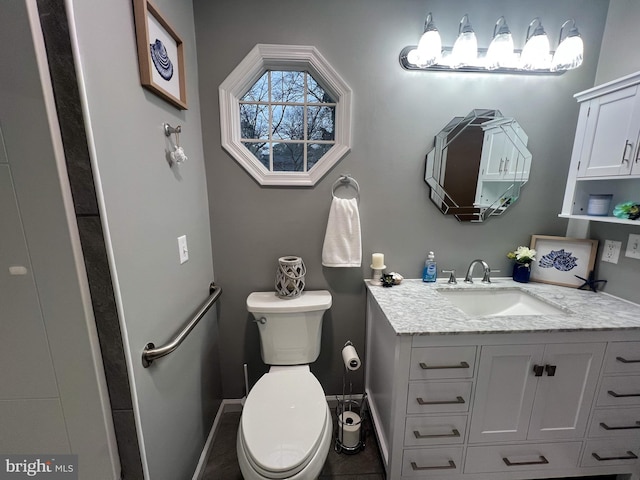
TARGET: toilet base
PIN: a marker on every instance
(310, 471)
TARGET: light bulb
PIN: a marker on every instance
(570, 51)
(500, 52)
(429, 48)
(535, 54)
(465, 49)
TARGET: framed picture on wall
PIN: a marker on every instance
(160, 55)
(561, 260)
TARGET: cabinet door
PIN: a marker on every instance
(505, 391)
(493, 162)
(565, 390)
(611, 134)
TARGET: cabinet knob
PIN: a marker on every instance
(550, 369)
(538, 370)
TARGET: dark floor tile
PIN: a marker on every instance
(222, 461)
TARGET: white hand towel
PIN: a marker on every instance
(342, 243)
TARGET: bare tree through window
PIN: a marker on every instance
(287, 120)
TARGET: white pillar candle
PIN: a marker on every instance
(377, 261)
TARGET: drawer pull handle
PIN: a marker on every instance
(624, 360)
(542, 461)
(622, 395)
(626, 427)
(454, 433)
(630, 456)
(440, 402)
(424, 366)
(414, 466)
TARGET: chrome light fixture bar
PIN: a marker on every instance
(534, 59)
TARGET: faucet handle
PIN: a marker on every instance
(452, 276)
(487, 275)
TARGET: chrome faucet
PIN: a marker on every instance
(486, 274)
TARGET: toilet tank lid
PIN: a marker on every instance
(307, 301)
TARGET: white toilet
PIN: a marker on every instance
(286, 428)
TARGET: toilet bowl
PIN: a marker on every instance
(286, 428)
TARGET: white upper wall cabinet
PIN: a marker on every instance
(285, 115)
(606, 149)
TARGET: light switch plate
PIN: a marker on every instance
(611, 251)
(633, 246)
(183, 249)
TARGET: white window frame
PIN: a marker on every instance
(283, 57)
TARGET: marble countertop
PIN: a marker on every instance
(416, 308)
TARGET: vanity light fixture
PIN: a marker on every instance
(535, 54)
(465, 49)
(570, 50)
(500, 53)
(501, 56)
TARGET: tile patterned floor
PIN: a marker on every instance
(222, 462)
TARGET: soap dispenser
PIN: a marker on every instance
(430, 272)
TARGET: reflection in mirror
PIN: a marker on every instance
(478, 165)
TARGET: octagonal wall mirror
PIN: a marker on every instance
(478, 165)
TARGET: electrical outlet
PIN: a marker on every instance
(182, 249)
(633, 246)
(611, 251)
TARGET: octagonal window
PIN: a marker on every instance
(285, 115)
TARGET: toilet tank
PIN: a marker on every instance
(290, 328)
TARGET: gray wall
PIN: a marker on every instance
(396, 115)
(145, 206)
(619, 56)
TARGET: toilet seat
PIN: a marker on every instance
(283, 421)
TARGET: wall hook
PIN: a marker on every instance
(177, 155)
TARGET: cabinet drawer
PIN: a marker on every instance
(513, 458)
(432, 461)
(440, 430)
(438, 397)
(619, 391)
(620, 422)
(602, 453)
(442, 362)
(623, 357)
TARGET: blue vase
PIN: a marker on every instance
(521, 272)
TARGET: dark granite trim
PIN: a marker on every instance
(55, 28)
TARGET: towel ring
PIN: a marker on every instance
(345, 181)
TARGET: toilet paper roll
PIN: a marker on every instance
(349, 429)
(350, 358)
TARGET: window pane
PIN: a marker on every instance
(315, 151)
(320, 123)
(288, 157)
(316, 93)
(288, 122)
(260, 90)
(260, 150)
(287, 87)
(254, 121)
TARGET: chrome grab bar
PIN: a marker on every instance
(150, 352)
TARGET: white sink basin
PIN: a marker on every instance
(499, 302)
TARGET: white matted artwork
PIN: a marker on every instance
(160, 55)
(561, 260)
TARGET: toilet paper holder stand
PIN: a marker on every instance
(350, 415)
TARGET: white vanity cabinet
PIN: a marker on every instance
(534, 392)
(511, 405)
(606, 149)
